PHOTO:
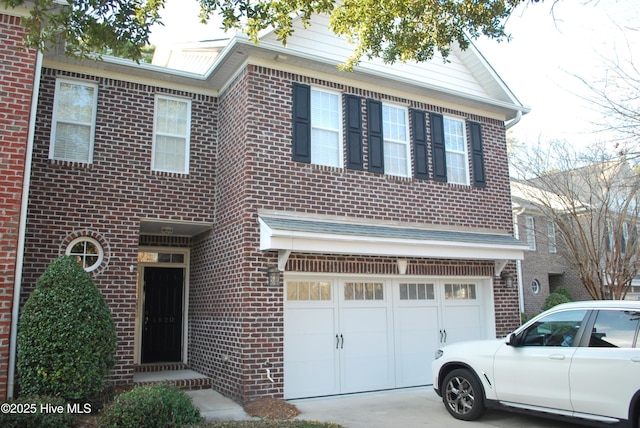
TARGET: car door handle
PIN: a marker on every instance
(635, 360)
(557, 357)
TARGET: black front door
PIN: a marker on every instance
(162, 323)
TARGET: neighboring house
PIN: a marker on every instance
(594, 194)
(543, 268)
(18, 70)
(280, 226)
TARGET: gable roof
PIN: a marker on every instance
(466, 81)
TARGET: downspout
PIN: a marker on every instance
(510, 123)
(17, 286)
(516, 232)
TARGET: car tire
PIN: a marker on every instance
(462, 395)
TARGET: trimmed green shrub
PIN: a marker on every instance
(26, 412)
(66, 337)
(554, 299)
(563, 291)
(153, 406)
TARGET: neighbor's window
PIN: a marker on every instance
(326, 134)
(456, 148)
(530, 229)
(172, 127)
(396, 140)
(535, 286)
(551, 237)
(74, 121)
(87, 251)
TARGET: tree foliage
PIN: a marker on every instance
(395, 30)
(593, 198)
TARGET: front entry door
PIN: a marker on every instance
(162, 323)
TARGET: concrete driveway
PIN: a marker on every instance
(407, 408)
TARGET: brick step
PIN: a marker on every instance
(160, 367)
(183, 378)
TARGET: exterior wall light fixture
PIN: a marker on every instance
(273, 276)
(508, 279)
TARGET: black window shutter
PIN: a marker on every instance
(419, 128)
(438, 148)
(301, 148)
(477, 155)
(374, 135)
(354, 132)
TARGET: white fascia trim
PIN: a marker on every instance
(313, 242)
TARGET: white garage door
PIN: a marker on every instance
(352, 335)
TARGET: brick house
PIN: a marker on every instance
(543, 268)
(280, 226)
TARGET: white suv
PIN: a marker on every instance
(578, 360)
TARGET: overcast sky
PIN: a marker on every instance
(539, 64)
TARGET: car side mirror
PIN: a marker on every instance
(513, 340)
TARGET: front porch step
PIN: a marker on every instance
(160, 367)
(183, 378)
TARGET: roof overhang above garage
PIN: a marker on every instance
(332, 236)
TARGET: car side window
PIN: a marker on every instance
(615, 329)
(557, 329)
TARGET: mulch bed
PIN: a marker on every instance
(271, 408)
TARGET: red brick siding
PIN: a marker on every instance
(241, 162)
(238, 316)
(108, 198)
(17, 68)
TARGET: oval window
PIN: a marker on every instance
(535, 286)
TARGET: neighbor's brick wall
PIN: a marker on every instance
(550, 269)
(17, 68)
(107, 198)
(255, 171)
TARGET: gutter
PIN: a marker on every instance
(511, 123)
(17, 286)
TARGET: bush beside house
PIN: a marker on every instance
(66, 336)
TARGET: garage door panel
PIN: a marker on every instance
(310, 352)
(462, 323)
(416, 339)
(366, 356)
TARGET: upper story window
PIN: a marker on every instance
(326, 128)
(172, 126)
(455, 143)
(551, 237)
(530, 229)
(396, 140)
(74, 121)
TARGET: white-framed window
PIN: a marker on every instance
(551, 237)
(87, 251)
(326, 128)
(74, 121)
(395, 127)
(530, 229)
(171, 136)
(535, 286)
(455, 142)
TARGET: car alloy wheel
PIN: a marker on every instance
(462, 395)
